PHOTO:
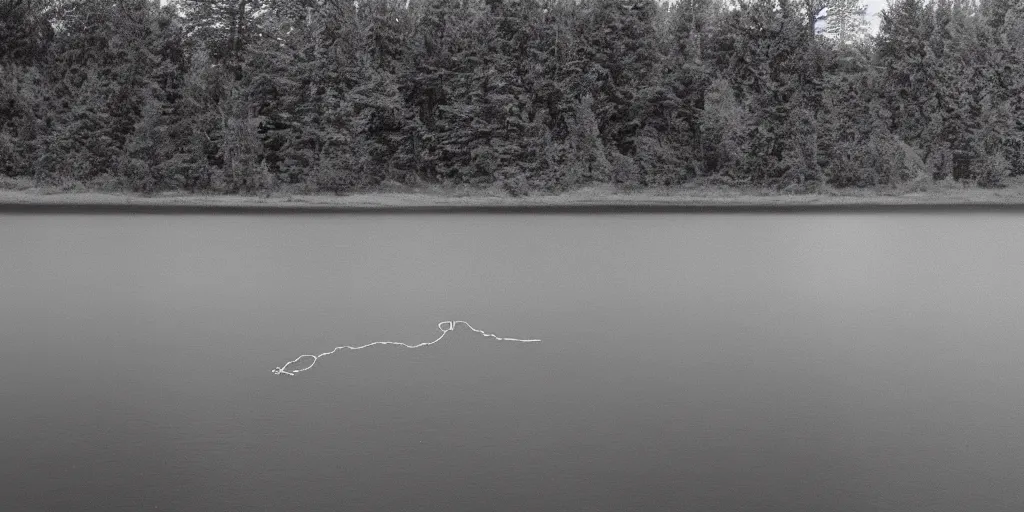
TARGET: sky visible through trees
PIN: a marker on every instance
(331, 96)
(874, 7)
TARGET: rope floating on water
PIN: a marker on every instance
(446, 327)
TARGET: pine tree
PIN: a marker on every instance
(1013, 38)
(243, 168)
(773, 66)
(147, 148)
(23, 101)
(909, 69)
(846, 20)
(452, 56)
(194, 126)
(620, 49)
(383, 121)
(25, 30)
(225, 27)
(725, 125)
(687, 78)
(991, 141)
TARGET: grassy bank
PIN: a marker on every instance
(942, 193)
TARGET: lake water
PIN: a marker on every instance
(731, 362)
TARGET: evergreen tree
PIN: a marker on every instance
(225, 27)
(909, 68)
(78, 141)
(195, 126)
(242, 166)
(147, 148)
(383, 122)
(23, 99)
(688, 76)
(725, 126)
(772, 64)
(620, 48)
(243, 96)
(1010, 76)
(846, 20)
(25, 30)
(582, 158)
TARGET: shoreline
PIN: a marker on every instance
(586, 200)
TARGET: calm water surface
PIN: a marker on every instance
(804, 362)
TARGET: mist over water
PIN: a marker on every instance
(689, 362)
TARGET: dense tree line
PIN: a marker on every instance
(250, 96)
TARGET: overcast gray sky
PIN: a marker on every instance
(873, 7)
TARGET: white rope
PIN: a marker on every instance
(445, 327)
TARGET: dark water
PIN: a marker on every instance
(714, 363)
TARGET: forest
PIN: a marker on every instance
(525, 96)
